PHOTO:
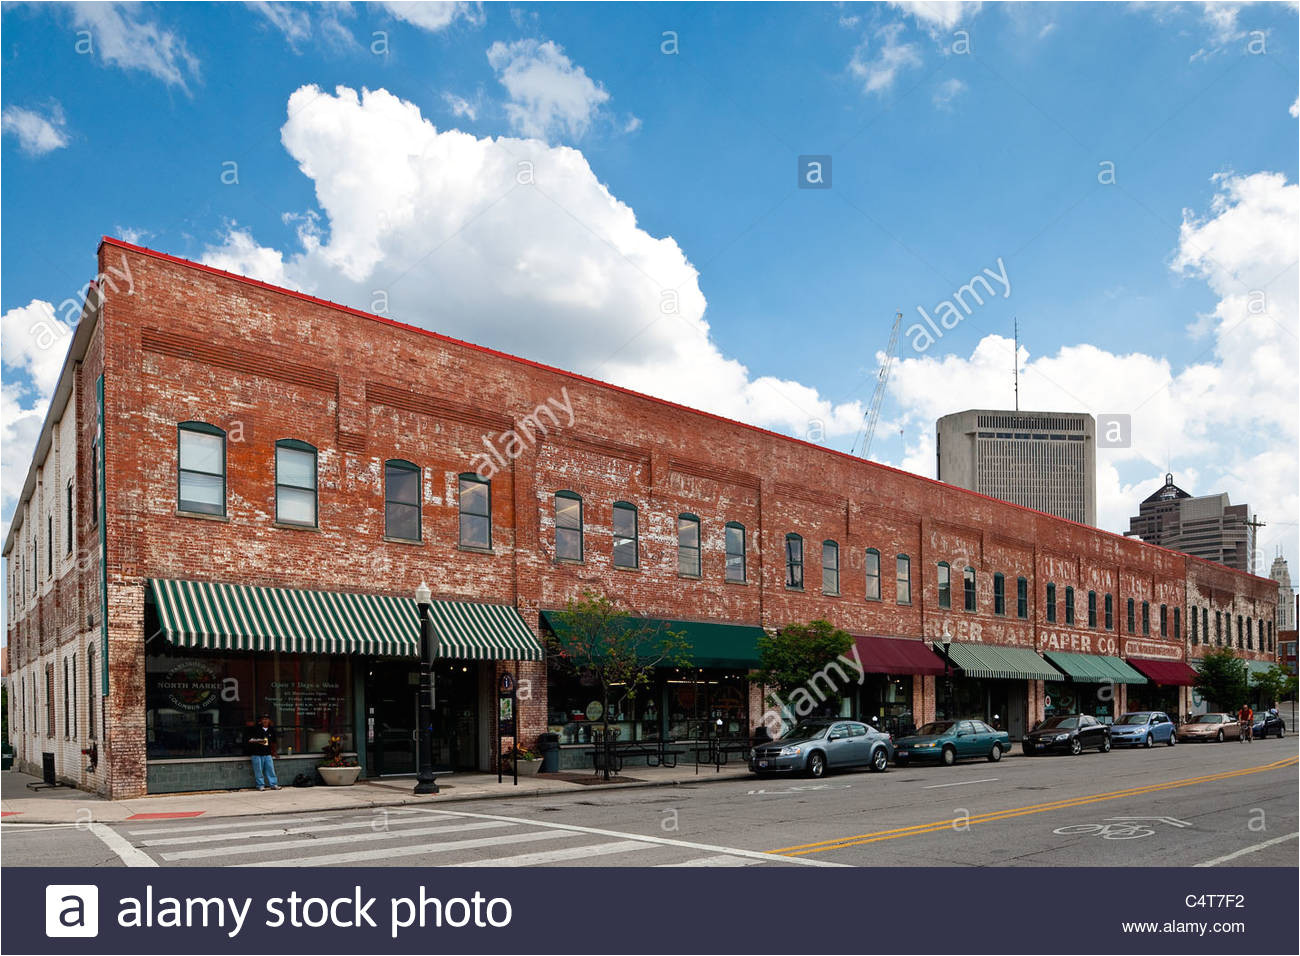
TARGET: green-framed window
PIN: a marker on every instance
(474, 495)
(902, 579)
(830, 567)
(945, 585)
(1178, 627)
(568, 526)
(201, 468)
(688, 545)
(625, 529)
(1050, 606)
(1164, 620)
(873, 574)
(1069, 604)
(295, 483)
(402, 512)
(1146, 617)
(1092, 609)
(999, 594)
(1110, 611)
(736, 558)
(794, 561)
(1022, 598)
(969, 597)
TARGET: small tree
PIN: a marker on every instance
(1221, 679)
(1275, 684)
(619, 651)
(803, 663)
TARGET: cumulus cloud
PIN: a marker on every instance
(38, 133)
(510, 243)
(1295, 108)
(433, 15)
(878, 61)
(1227, 421)
(549, 94)
(939, 14)
(947, 91)
(121, 36)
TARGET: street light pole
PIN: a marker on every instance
(425, 781)
(947, 680)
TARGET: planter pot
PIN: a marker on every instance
(529, 768)
(339, 776)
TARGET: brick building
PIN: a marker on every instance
(275, 475)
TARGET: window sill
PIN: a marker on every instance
(741, 583)
(410, 541)
(473, 550)
(689, 577)
(795, 590)
(619, 567)
(833, 594)
(575, 561)
(292, 526)
(204, 516)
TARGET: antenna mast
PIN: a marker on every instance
(1015, 361)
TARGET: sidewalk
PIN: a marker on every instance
(63, 805)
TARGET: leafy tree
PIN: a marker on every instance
(802, 666)
(1275, 684)
(1221, 678)
(597, 638)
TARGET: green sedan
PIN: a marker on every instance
(948, 741)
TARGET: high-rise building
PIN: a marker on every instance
(1208, 526)
(1285, 594)
(1042, 460)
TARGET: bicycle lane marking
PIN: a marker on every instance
(993, 816)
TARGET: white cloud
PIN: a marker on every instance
(947, 91)
(1295, 108)
(558, 271)
(120, 37)
(1227, 421)
(877, 62)
(296, 22)
(460, 106)
(938, 14)
(435, 16)
(549, 94)
(37, 134)
(134, 236)
(291, 19)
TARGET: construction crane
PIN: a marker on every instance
(882, 378)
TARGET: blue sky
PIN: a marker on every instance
(664, 140)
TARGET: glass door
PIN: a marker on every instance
(392, 696)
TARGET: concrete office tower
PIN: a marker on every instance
(1042, 460)
(1285, 594)
(1208, 526)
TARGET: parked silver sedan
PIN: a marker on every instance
(815, 746)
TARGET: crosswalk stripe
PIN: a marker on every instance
(385, 853)
(722, 859)
(284, 831)
(347, 838)
(120, 845)
(202, 827)
(555, 856)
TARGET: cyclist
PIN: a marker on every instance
(1246, 721)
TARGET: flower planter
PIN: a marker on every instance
(339, 776)
(529, 768)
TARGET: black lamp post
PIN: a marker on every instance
(425, 781)
(947, 678)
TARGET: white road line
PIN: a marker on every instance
(324, 841)
(662, 841)
(284, 831)
(201, 827)
(120, 845)
(1249, 849)
(6, 825)
(960, 783)
(555, 856)
(721, 860)
(386, 853)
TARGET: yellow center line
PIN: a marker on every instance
(994, 815)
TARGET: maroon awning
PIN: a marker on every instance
(1165, 672)
(894, 655)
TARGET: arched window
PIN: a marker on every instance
(1178, 626)
(1240, 644)
(999, 594)
(1022, 598)
(1193, 618)
(968, 589)
(568, 526)
(474, 496)
(1069, 605)
(201, 468)
(1146, 617)
(1132, 625)
(945, 585)
(688, 545)
(736, 558)
(873, 574)
(1092, 609)
(830, 567)
(295, 482)
(1250, 634)
(402, 500)
(903, 579)
(1205, 625)
(1051, 603)
(1218, 628)
(1164, 620)
(625, 528)
(794, 561)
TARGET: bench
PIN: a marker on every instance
(657, 753)
(720, 749)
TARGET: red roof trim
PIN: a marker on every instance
(304, 297)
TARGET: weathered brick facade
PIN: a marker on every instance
(188, 343)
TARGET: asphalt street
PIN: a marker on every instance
(1194, 804)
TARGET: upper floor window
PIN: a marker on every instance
(295, 482)
(1092, 608)
(201, 478)
(968, 589)
(402, 500)
(999, 594)
(945, 584)
(1146, 617)
(1051, 603)
(625, 535)
(1132, 625)
(568, 526)
(1069, 605)
(1022, 598)
(1192, 617)
(1218, 627)
(94, 482)
(1178, 626)
(1110, 611)
(903, 579)
(1164, 620)
(830, 567)
(873, 574)
(1205, 625)
(735, 551)
(793, 561)
(688, 545)
(1250, 644)
(475, 496)
(90, 692)
(68, 516)
(49, 545)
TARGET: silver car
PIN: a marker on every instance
(815, 746)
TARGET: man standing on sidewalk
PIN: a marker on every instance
(261, 749)
(1246, 721)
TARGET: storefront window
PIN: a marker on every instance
(1067, 697)
(200, 704)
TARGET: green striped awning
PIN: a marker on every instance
(249, 618)
(1095, 668)
(999, 663)
(711, 643)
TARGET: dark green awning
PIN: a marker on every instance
(1095, 668)
(712, 643)
(1000, 663)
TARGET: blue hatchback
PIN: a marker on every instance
(1144, 728)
